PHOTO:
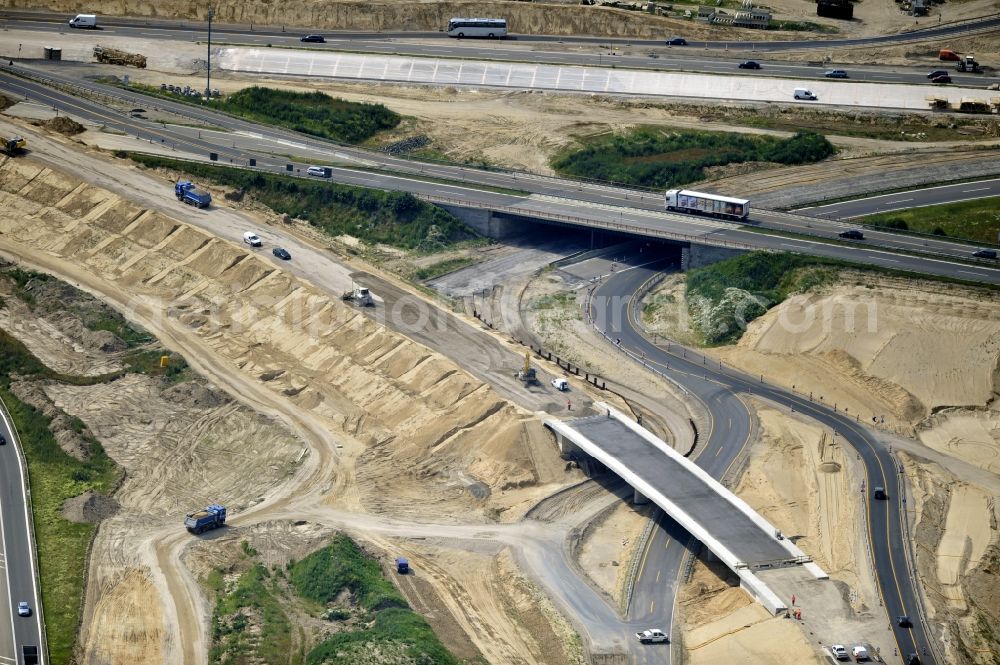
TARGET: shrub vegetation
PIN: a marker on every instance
(314, 113)
(651, 157)
(724, 297)
(398, 219)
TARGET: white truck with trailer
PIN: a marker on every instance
(713, 205)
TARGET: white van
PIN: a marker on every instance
(560, 384)
(804, 93)
(320, 171)
(84, 21)
(252, 239)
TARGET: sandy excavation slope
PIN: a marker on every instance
(432, 439)
(878, 346)
(958, 543)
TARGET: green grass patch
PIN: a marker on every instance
(397, 636)
(724, 297)
(313, 113)
(249, 624)
(394, 631)
(397, 219)
(442, 267)
(322, 576)
(55, 477)
(147, 361)
(657, 158)
(977, 220)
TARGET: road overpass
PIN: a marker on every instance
(723, 522)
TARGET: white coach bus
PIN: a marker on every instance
(494, 28)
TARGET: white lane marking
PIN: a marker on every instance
(980, 189)
(891, 203)
(969, 272)
(912, 191)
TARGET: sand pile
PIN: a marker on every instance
(724, 625)
(64, 125)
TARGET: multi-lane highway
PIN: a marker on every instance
(268, 34)
(717, 388)
(631, 54)
(584, 204)
(17, 554)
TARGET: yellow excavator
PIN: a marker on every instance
(527, 373)
(13, 146)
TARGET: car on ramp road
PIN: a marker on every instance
(749, 64)
(315, 39)
(677, 41)
(852, 234)
(652, 636)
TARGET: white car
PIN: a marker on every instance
(839, 652)
(560, 384)
(252, 239)
(860, 653)
(23, 609)
(652, 636)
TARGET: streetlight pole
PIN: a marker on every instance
(208, 76)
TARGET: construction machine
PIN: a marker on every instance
(527, 373)
(113, 56)
(968, 64)
(13, 146)
(360, 296)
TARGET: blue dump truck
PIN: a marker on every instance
(186, 191)
(212, 517)
(402, 566)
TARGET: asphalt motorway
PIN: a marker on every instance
(587, 204)
(913, 198)
(649, 55)
(271, 33)
(18, 581)
(716, 387)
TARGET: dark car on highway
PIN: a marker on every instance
(282, 253)
(316, 39)
(937, 72)
(3, 440)
(749, 64)
(979, 254)
(943, 78)
(903, 621)
(835, 74)
(852, 234)
(677, 41)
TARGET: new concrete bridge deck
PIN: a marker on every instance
(723, 522)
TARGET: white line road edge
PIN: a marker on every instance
(37, 610)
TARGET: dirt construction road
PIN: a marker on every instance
(367, 391)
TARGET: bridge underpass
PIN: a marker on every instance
(724, 523)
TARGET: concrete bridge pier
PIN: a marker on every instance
(638, 498)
